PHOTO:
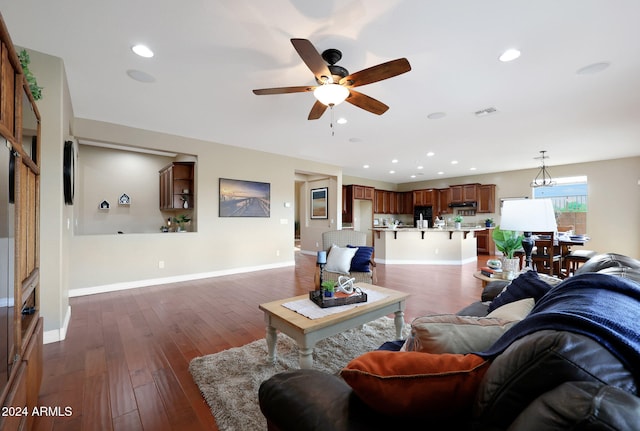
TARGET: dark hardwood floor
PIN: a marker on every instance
(124, 363)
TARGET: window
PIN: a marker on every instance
(569, 197)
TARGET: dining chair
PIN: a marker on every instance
(546, 258)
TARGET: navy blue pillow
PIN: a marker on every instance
(360, 262)
(526, 285)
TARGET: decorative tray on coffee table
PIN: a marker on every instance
(320, 300)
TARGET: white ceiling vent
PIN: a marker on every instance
(486, 111)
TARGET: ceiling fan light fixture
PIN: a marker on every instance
(331, 94)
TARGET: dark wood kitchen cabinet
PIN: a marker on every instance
(351, 193)
(176, 186)
(404, 202)
(485, 243)
(464, 193)
(362, 192)
(444, 199)
(423, 197)
(487, 198)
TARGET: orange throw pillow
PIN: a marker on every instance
(416, 383)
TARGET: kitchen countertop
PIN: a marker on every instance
(430, 229)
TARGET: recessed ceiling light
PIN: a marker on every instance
(342, 120)
(472, 169)
(420, 167)
(366, 166)
(509, 55)
(440, 173)
(394, 161)
(431, 154)
(392, 172)
(454, 162)
(142, 51)
(140, 76)
(593, 68)
(412, 176)
(436, 115)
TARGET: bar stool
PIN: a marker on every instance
(573, 260)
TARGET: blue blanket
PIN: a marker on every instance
(603, 307)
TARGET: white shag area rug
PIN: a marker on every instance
(229, 380)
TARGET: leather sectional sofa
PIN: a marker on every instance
(578, 375)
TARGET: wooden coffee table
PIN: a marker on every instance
(307, 332)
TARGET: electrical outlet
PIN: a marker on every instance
(161, 264)
(277, 252)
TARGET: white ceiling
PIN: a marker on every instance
(211, 54)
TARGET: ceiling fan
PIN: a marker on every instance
(335, 84)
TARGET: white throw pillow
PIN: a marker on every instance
(339, 259)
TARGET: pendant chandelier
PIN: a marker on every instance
(543, 179)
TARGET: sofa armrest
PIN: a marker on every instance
(536, 364)
(587, 406)
(313, 400)
(305, 399)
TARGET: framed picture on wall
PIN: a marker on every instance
(319, 203)
(240, 198)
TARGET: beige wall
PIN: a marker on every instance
(55, 217)
(311, 229)
(220, 245)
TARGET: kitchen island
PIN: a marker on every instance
(435, 246)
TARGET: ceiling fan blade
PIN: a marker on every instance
(311, 58)
(377, 73)
(317, 110)
(367, 103)
(283, 90)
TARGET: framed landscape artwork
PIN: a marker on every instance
(319, 208)
(240, 198)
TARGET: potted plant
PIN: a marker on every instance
(488, 222)
(328, 287)
(182, 220)
(36, 90)
(508, 242)
(458, 221)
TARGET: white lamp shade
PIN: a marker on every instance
(528, 215)
(331, 94)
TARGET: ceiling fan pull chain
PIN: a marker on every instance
(333, 132)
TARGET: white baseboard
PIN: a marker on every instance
(425, 262)
(55, 335)
(166, 280)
